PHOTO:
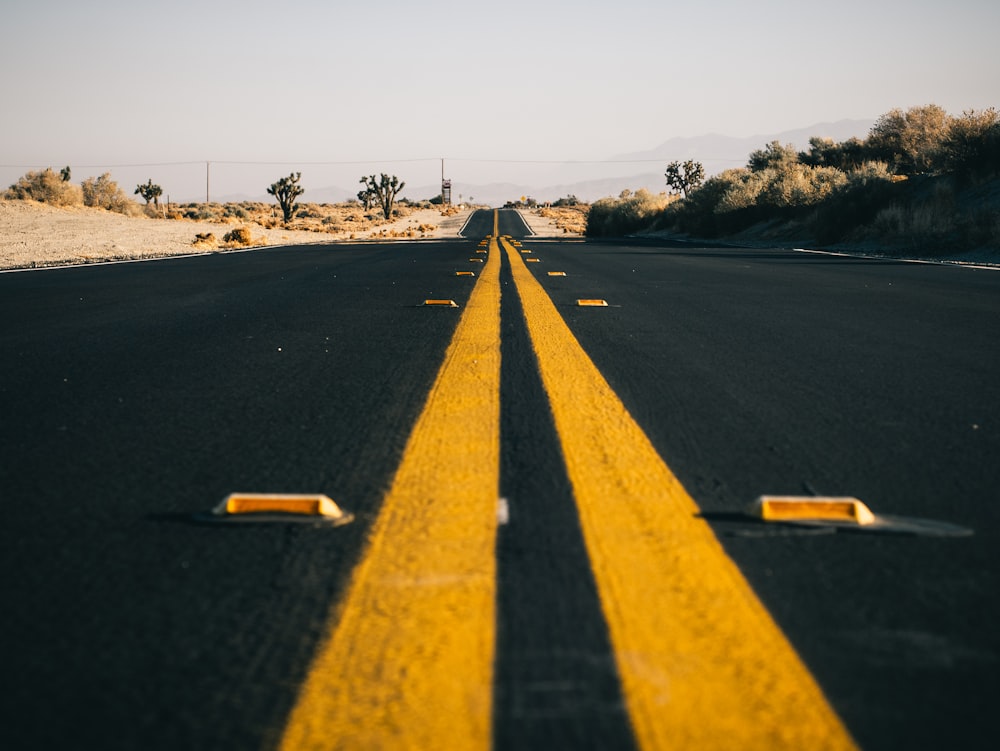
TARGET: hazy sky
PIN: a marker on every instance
(110, 82)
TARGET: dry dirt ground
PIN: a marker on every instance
(35, 234)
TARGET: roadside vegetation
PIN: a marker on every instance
(356, 218)
(922, 180)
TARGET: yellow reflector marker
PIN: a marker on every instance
(465, 273)
(849, 514)
(702, 663)
(277, 507)
(476, 260)
(525, 252)
(531, 260)
(808, 508)
(255, 503)
(592, 303)
(444, 303)
(556, 273)
(409, 662)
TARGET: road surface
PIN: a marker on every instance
(136, 395)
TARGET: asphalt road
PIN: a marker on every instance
(134, 395)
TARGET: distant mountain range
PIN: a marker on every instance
(733, 152)
(631, 171)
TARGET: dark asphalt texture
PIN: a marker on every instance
(133, 395)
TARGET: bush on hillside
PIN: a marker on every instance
(912, 141)
(46, 186)
(855, 203)
(627, 213)
(922, 178)
(845, 155)
(773, 156)
(796, 185)
(972, 145)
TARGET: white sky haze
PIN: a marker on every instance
(110, 82)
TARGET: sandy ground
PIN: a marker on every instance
(539, 225)
(34, 234)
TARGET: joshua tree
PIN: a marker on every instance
(385, 191)
(366, 196)
(683, 178)
(150, 192)
(286, 190)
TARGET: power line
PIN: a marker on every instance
(331, 164)
(373, 161)
(106, 166)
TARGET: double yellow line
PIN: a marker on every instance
(409, 663)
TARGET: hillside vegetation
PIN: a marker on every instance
(922, 180)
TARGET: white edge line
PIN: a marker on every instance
(117, 261)
(924, 261)
(467, 220)
(531, 232)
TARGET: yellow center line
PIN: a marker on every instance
(701, 661)
(409, 664)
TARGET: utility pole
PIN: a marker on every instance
(206, 181)
(445, 188)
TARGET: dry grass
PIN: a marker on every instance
(569, 219)
(311, 217)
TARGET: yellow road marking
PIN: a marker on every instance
(702, 663)
(409, 664)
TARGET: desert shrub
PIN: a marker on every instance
(46, 186)
(205, 240)
(779, 187)
(238, 236)
(737, 189)
(825, 152)
(697, 214)
(868, 173)
(864, 192)
(236, 211)
(795, 185)
(628, 213)
(912, 141)
(103, 192)
(200, 212)
(772, 156)
(972, 145)
(569, 200)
